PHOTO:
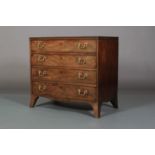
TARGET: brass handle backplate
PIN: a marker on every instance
(82, 75)
(42, 87)
(83, 92)
(41, 44)
(41, 58)
(81, 61)
(42, 73)
(82, 45)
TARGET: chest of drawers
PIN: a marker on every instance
(75, 69)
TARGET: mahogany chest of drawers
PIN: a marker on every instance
(75, 69)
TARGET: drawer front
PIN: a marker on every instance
(64, 60)
(70, 45)
(64, 75)
(63, 91)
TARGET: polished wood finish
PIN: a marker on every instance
(75, 69)
(64, 75)
(108, 70)
(64, 91)
(63, 45)
(78, 61)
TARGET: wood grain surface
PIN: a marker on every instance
(64, 75)
(78, 61)
(57, 90)
(63, 45)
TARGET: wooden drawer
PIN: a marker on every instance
(64, 75)
(62, 45)
(63, 91)
(79, 61)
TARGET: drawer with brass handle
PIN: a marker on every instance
(81, 60)
(42, 73)
(41, 87)
(83, 92)
(72, 45)
(83, 76)
(40, 44)
(53, 60)
(65, 91)
(64, 75)
(83, 45)
(41, 58)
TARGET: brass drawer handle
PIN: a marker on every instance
(42, 87)
(42, 73)
(81, 61)
(83, 92)
(41, 44)
(82, 45)
(41, 58)
(82, 75)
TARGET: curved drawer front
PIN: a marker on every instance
(64, 75)
(68, 45)
(64, 60)
(63, 91)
